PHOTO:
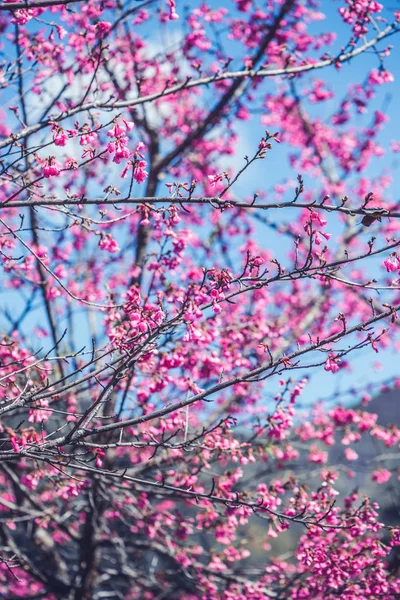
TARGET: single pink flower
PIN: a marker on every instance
(381, 475)
(350, 454)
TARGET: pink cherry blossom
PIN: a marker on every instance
(51, 167)
(381, 475)
(199, 225)
(108, 243)
(391, 263)
(351, 454)
(332, 363)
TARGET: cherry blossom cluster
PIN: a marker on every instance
(198, 224)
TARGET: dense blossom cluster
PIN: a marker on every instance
(169, 292)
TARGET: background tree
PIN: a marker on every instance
(173, 274)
